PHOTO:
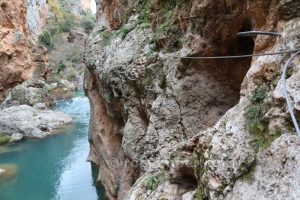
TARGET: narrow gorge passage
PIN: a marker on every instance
(54, 168)
(149, 100)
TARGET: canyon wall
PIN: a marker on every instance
(86, 4)
(165, 127)
(20, 24)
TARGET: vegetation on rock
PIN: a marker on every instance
(150, 182)
(4, 139)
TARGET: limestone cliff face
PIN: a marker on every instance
(86, 4)
(169, 128)
(20, 23)
(36, 16)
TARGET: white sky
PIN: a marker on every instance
(93, 2)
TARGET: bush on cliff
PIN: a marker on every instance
(46, 39)
(88, 21)
(4, 139)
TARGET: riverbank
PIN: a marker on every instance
(53, 168)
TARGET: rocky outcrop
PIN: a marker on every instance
(18, 27)
(169, 128)
(275, 174)
(29, 93)
(31, 122)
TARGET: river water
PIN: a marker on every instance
(54, 168)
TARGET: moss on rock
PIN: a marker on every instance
(4, 139)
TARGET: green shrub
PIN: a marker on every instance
(150, 182)
(259, 95)
(259, 108)
(257, 124)
(88, 24)
(124, 31)
(106, 37)
(66, 25)
(254, 113)
(88, 21)
(61, 66)
(46, 39)
(4, 139)
(255, 117)
(55, 8)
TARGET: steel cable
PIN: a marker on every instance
(251, 33)
(283, 76)
(239, 56)
(289, 104)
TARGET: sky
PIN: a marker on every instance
(94, 6)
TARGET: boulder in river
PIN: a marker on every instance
(16, 137)
(31, 122)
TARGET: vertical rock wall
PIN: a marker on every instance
(36, 16)
(190, 128)
(20, 23)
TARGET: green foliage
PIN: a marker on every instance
(144, 25)
(263, 140)
(150, 182)
(257, 123)
(124, 30)
(46, 39)
(88, 21)
(259, 95)
(106, 37)
(165, 24)
(55, 8)
(63, 20)
(61, 66)
(88, 24)
(255, 112)
(66, 24)
(258, 109)
(4, 139)
(139, 6)
(165, 12)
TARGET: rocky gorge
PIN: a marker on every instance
(41, 81)
(167, 120)
(164, 126)
(36, 69)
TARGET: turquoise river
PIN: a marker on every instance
(54, 168)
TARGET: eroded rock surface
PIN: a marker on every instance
(275, 175)
(30, 122)
(167, 128)
(20, 21)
